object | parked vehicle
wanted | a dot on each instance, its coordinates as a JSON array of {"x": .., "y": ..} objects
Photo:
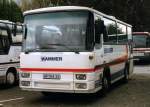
[
  {"x": 74, "y": 49},
  {"x": 141, "y": 45},
  {"x": 10, "y": 48}
]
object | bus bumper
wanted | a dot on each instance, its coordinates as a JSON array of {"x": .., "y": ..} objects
[
  {"x": 63, "y": 91},
  {"x": 91, "y": 88}
]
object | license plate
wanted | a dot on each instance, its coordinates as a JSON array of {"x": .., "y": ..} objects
[{"x": 52, "y": 76}]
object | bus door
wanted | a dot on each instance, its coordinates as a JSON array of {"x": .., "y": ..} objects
[
  {"x": 110, "y": 43},
  {"x": 99, "y": 49},
  {"x": 115, "y": 51}
]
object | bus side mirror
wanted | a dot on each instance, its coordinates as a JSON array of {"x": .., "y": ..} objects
[{"x": 99, "y": 29}]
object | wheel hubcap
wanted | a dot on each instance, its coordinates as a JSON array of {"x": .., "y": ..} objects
[{"x": 10, "y": 78}]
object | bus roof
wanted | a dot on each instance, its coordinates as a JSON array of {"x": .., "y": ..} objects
[
  {"x": 141, "y": 33},
  {"x": 6, "y": 22},
  {"x": 66, "y": 8},
  {"x": 10, "y": 24}
]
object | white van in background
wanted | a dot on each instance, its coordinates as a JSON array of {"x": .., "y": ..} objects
[{"x": 141, "y": 48}]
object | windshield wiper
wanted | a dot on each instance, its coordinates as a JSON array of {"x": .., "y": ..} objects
[
  {"x": 63, "y": 45},
  {"x": 40, "y": 49},
  {"x": 31, "y": 50},
  {"x": 36, "y": 50}
]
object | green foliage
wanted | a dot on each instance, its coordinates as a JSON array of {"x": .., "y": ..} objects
[
  {"x": 134, "y": 12},
  {"x": 9, "y": 10}
]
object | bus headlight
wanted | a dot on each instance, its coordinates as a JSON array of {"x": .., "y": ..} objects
[
  {"x": 25, "y": 83},
  {"x": 81, "y": 85},
  {"x": 81, "y": 76},
  {"x": 25, "y": 75}
]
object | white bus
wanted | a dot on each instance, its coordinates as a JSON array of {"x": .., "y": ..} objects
[
  {"x": 74, "y": 49},
  {"x": 10, "y": 48},
  {"x": 141, "y": 47}
]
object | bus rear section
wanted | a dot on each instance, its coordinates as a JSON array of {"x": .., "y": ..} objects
[{"x": 141, "y": 45}]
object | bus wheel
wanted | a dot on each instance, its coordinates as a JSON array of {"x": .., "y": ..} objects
[
  {"x": 10, "y": 78},
  {"x": 105, "y": 85},
  {"x": 126, "y": 74}
]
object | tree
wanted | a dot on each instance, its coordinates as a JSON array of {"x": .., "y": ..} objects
[
  {"x": 133, "y": 12},
  {"x": 9, "y": 10},
  {"x": 25, "y": 5}
]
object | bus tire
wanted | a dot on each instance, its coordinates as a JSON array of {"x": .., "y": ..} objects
[
  {"x": 10, "y": 78},
  {"x": 131, "y": 66},
  {"x": 105, "y": 85},
  {"x": 126, "y": 73}
]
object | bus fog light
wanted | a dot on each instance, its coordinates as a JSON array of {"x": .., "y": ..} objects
[
  {"x": 81, "y": 76},
  {"x": 81, "y": 85},
  {"x": 25, "y": 83},
  {"x": 25, "y": 75}
]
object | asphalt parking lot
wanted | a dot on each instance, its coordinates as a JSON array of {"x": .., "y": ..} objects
[{"x": 135, "y": 93}]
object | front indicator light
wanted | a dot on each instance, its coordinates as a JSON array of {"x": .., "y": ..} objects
[
  {"x": 81, "y": 85},
  {"x": 81, "y": 76}
]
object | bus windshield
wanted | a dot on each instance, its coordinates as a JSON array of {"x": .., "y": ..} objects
[
  {"x": 141, "y": 41},
  {"x": 56, "y": 31}
]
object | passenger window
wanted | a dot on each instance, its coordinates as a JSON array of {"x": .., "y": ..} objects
[
  {"x": 130, "y": 38},
  {"x": 122, "y": 33},
  {"x": 129, "y": 32},
  {"x": 110, "y": 31},
  {"x": 4, "y": 42}
]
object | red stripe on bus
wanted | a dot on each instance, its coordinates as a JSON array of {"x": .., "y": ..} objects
[
  {"x": 119, "y": 60},
  {"x": 56, "y": 70}
]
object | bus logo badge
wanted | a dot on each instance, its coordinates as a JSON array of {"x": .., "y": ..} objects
[{"x": 43, "y": 59}]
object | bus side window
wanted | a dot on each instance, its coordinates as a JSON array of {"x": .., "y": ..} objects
[
  {"x": 122, "y": 33},
  {"x": 129, "y": 33},
  {"x": 4, "y": 42},
  {"x": 1, "y": 45},
  {"x": 130, "y": 38},
  {"x": 110, "y": 31}
]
